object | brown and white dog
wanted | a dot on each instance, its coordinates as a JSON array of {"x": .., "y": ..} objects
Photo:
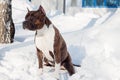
[{"x": 50, "y": 45}]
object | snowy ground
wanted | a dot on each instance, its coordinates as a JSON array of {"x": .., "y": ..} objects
[{"x": 93, "y": 42}]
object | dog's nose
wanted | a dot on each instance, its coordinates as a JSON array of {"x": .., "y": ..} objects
[{"x": 24, "y": 24}]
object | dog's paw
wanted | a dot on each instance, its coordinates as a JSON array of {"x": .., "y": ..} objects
[{"x": 40, "y": 71}]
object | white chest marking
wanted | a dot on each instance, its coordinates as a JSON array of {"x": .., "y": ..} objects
[{"x": 44, "y": 40}]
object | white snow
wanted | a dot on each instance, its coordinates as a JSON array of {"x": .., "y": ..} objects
[{"x": 93, "y": 42}]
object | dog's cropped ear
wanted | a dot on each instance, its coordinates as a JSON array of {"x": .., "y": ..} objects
[{"x": 42, "y": 10}]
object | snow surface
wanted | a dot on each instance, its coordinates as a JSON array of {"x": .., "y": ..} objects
[{"x": 93, "y": 42}]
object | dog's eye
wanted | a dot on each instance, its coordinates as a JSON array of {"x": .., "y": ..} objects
[
  {"x": 35, "y": 16},
  {"x": 32, "y": 14}
]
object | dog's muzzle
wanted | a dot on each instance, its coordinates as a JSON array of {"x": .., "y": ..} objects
[
  {"x": 29, "y": 25},
  {"x": 25, "y": 24}
]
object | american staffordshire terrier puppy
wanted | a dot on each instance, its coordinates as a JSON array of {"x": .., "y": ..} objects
[{"x": 50, "y": 45}]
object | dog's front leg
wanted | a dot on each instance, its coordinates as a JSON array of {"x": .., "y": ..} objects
[
  {"x": 57, "y": 70},
  {"x": 57, "y": 63},
  {"x": 40, "y": 60}
]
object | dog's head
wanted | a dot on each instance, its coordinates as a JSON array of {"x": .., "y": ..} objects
[{"x": 35, "y": 19}]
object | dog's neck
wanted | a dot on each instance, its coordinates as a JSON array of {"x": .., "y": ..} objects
[{"x": 44, "y": 30}]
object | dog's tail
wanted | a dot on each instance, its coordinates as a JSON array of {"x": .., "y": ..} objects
[{"x": 76, "y": 65}]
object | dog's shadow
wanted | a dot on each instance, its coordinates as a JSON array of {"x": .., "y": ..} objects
[{"x": 77, "y": 54}]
